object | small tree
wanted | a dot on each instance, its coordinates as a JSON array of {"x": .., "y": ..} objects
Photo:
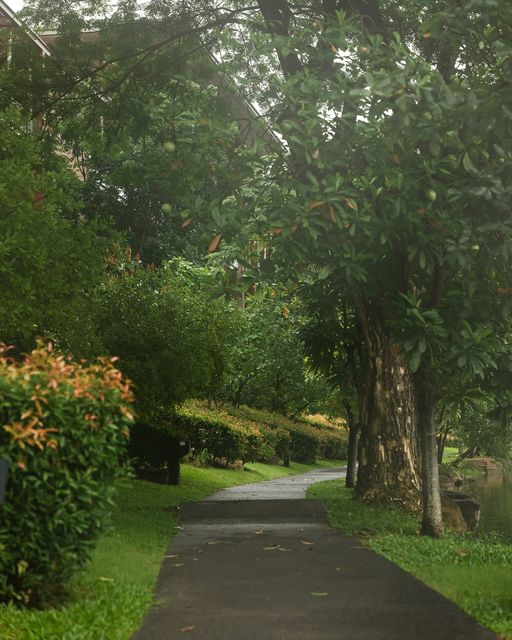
[{"x": 170, "y": 337}]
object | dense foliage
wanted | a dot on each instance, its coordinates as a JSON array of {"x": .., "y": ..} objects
[
  {"x": 64, "y": 432},
  {"x": 170, "y": 335},
  {"x": 48, "y": 255},
  {"x": 268, "y": 368}
]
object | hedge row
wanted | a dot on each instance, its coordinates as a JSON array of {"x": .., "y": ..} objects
[
  {"x": 64, "y": 432},
  {"x": 213, "y": 435},
  {"x": 229, "y": 434},
  {"x": 307, "y": 441}
]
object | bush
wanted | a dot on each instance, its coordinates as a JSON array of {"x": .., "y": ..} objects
[
  {"x": 333, "y": 438},
  {"x": 227, "y": 436},
  {"x": 306, "y": 441},
  {"x": 213, "y": 434},
  {"x": 64, "y": 432},
  {"x": 230, "y": 434},
  {"x": 171, "y": 336}
]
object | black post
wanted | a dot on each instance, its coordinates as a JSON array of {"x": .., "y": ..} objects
[{"x": 4, "y": 474}]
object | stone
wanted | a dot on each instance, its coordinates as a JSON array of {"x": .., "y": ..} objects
[
  {"x": 485, "y": 464},
  {"x": 452, "y": 516},
  {"x": 460, "y": 511},
  {"x": 449, "y": 477}
]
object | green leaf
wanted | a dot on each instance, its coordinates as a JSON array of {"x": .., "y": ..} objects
[
  {"x": 467, "y": 163},
  {"x": 415, "y": 361}
]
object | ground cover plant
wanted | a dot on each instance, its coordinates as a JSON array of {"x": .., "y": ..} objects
[
  {"x": 109, "y": 597},
  {"x": 475, "y": 572}
]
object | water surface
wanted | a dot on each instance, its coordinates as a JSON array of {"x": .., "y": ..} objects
[{"x": 494, "y": 493}]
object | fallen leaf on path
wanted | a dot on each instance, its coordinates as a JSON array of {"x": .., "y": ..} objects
[
  {"x": 275, "y": 547},
  {"x": 319, "y": 593},
  {"x": 186, "y": 629},
  {"x": 258, "y": 532},
  {"x": 214, "y": 541},
  {"x": 173, "y": 555},
  {"x": 178, "y": 564},
  {"x": 306, "y": 542}
]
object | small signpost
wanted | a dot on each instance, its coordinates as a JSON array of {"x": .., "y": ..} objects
[{"x": 4, "y": 472}]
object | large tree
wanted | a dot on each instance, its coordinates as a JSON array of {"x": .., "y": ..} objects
[{"x": 393, "y": 185}]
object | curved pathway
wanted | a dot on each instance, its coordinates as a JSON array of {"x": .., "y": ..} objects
[{"x": 259, "y": 562}]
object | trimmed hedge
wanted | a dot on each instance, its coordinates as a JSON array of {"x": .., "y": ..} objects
[
  {"x": 308, "y": 441},
  {"x": 214, "y": 434},
  {"x": 64, "y": 430},
  {"x": 333, "y": 437},
  {"x": 229, "y": 434}
]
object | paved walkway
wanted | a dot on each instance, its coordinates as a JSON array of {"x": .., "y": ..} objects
[{"x": 259, "y": 562}]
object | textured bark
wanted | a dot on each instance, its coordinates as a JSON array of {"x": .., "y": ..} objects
[
  {"x": 432, "y": 523},
  {"x": 389, "y": 448}
]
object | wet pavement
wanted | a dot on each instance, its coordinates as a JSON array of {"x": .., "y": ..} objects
[{"x": 259, "y": 562}]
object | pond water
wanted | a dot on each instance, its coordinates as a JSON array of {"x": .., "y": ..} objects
[{"x": 494, "y": 493}]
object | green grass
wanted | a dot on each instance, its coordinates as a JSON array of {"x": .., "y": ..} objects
[
  {"x": 474, "y": 572},
  {"x": 450, "y": 454},
  {"x": 109, "y": 598}
]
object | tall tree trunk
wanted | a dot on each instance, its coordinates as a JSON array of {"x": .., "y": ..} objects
[
  {"x": 351, "y": 477},
  {"x": 441, "y": 444},
  {"x": 432, "y": 524},
  {"x": 389, "y": 448}
]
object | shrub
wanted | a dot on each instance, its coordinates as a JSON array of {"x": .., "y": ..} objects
[
  {"x": 171, "y": 337},
  {"x": 303, "y": 442},
  {"x": 306, "y": 441},
  {"x": 64, "y": 432},
  {"x": 214, "y": 435},
  {"x": 229, "y": 434},
  {"x": 333, "y": 437},
  {"x": 225, "y": 435}
]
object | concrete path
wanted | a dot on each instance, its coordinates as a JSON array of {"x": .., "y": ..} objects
[{"x": 259, "y": 562}]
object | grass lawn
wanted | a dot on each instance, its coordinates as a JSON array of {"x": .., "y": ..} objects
[
  {"x": 108, "y": 599},
  {"x": 474, "y": 572},
  {"x": 450, "y": 454}
]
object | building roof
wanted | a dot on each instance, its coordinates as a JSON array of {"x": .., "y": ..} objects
[{"x": 11, "y": 28}]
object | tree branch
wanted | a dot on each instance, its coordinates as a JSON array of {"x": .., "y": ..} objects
[{"x": 277, "y": 16}]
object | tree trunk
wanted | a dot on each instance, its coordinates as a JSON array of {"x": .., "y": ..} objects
[
  {"x": 432, "y": 524},
  {"x": 351, "y": 477},
  {"x": 442, "y": 444},
  {"x": 389, "y": 448}
]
